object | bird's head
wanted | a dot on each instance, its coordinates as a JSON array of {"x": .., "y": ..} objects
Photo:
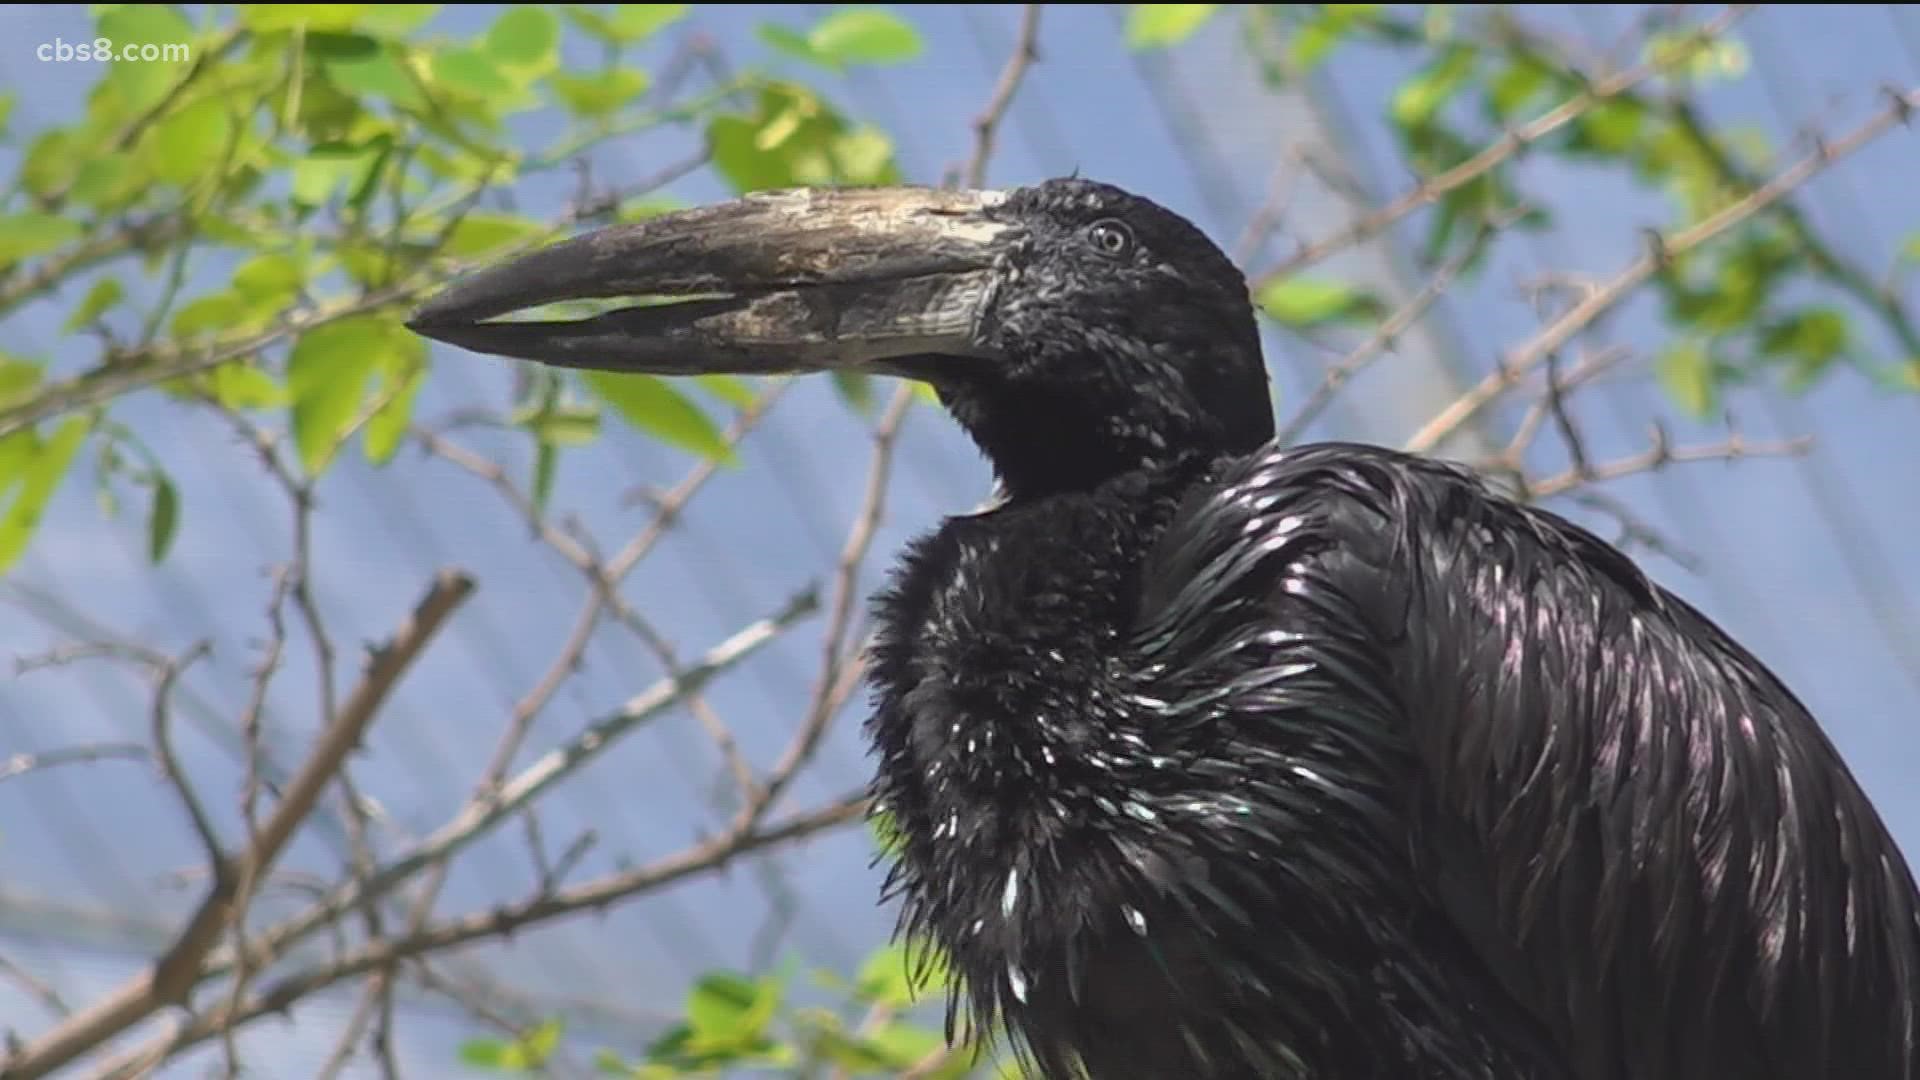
[{"x": 1077, "y": 331}]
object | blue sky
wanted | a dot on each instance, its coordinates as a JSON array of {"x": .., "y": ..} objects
[{"x": 1808, "y": 562}]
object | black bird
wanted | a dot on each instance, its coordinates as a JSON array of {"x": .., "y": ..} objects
[{"x": 1225, "y": 760}]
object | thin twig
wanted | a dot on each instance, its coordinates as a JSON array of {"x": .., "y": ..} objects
[
  {"x": 1500, "y": 151},
  {"x": 1026, "y": 49},
  {"x": 502, "y": 921},
  {"x": 1662, "y": 251},
  {"x": 1339, "y": 374},
  {"x": 21, "y": 764},
  {"x": 174, "y": 973},
  {"x": 477, "y": 818}
]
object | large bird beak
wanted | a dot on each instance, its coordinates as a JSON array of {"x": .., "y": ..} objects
[{"x": 780, "y": 282}]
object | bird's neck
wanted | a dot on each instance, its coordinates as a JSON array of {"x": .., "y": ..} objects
[{"x": 1046, "y": 441}]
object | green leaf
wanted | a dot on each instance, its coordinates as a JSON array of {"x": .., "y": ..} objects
[
  {"x": 326, "y": 169},
  {"x": 480, "y": 233},
  {"x": 396, "y": 20},
  {"x": 728, "y": 388},
  {"x": 791, "y": 42},
  {"x": 598, "y": 95},
  {"x": 186, "y": 144},
  {"x": 525, "y": 42},
  {"x": 651, "y": 404},
  {"x": 6, "y": 111},
  {"x": 865, "y": 36},
  {"x": 1688, "y": 375},
  {"x": 164, "y": 520},
  {"x": 886, "y": 978},
  {"x": 107, "y": 180},
  {"x": 718, "y": 1003},
  {"x": 856, "y": 389},
  {"x": 327, "y": 376},
  {"x": 470, "y": 72},
  {"x": 44, "y": 469},
  {"x": 1911, "y": 250},
  {"x": 1810, "y": 340},
  {"x": 1610, "y": 128},
  {"x": 51, "y": 161},
  {"x": 105, "y": 294},
  {"x": 387, "y": 427},
  {"x": 545, "y": 457},
  {"x": 636, "y": 22},
  {"x": 269, "y": 279},
  {"x": 525, "y": 1054},
  {"x": 360, "y": 65},
  {"x": 210, "y": 314},
  {"x": 1302, "y": 302},
  {"x": 1421, "y": 98},
  {"x": 22, "y": 236},
  {"x": 243, "y": 388},
  {"x": 1156, "y": 26},
  {"x": 18, "y": 379},
  {"x": 1515, "y": 87},
  {"x": 266, "y": 18},
  {"x": 142, "y": 83},
  {"x": 484, "y": 1053}
]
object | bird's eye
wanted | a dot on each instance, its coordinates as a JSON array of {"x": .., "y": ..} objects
[{"x": 1111, "y": 238}]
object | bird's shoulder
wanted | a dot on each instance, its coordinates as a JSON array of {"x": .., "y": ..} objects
[{"x": 1639, "y": 824}]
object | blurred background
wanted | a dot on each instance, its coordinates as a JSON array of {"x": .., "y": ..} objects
[{"x": 214, "y": 433}]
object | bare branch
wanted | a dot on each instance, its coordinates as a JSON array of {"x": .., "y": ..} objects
[
  {"x": 1504, "y": 149},
  {"x": 500, "y": 922},
  {"x": 1026, "y": 49},
  {"x": 21, "y": 764},
  {"x": 1662, "y": 454},
  {"x": 1339, "y": 374},
  {"x": 174, "y": 973},
  {"x": 1662, "y": 250}
]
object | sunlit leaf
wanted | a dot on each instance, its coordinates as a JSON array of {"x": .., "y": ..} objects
[
  {"x": 728, "y": 388},
  {"x": 1156, "y": 26},
  {"x": 265, "y": 18},
  {"x": 245, "y": 388},
  {"x": 327, "y": 169},
  {"x": 46, "y": 465},
  {"x": 1687, "y": 373},
  {"x": 865, "y": 36},
  {"x": 470, "y": 72},
  {"x": 632, "y": 23},
  {"x": 269, "y": 279},
  {"x": 18, "y": 379},
  {"x": 140, "y": 81},
  {"x": 358, "y": 64},
  {"x": 525, "y": 41},
  {"x": 1421, "y": 98},
  {"x": 653, "y": 405},
  {"x": 210, "y": 314},
  {"x": 480, "y": 233},
  {"x": 22, "y": 236},
  {"x": 327, "y": 376},
  {"x": 387, "y": 427},
  {"x": 108, "y": 180},
  {"x": 1808, "y": 340},
  {"x": 602, "y": 93},
  {"x": 396, "y": 20},
  {"x": 1303, "y": 302},
  {"x": 187, "y": 143},
  {"x": 104, "y": 294}
]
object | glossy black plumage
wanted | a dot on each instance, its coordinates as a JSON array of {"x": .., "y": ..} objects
[{"x": 1219, "y": 760}]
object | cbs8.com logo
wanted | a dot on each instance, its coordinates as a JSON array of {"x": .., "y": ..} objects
[{"x": 102, "y": 50}]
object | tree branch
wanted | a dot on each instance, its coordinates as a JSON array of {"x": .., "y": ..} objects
[
  {"x": 173, "y": 975},
  {"x": 1662, "y": 251}
]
